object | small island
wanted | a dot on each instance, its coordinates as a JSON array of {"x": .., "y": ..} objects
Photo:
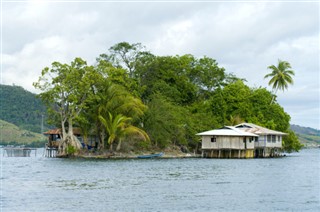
[{"x": 132, "y": 102}]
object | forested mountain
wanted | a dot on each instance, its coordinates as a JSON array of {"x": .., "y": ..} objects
[{"x": 22, "y": 108}]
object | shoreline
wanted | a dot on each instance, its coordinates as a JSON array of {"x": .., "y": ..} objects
[{"x": 166, "y": 155}]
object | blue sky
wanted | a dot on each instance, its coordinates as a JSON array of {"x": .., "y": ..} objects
[{"x": 245, "y": 37}]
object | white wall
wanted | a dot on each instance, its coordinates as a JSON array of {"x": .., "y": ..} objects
[{"x": 226, "y": 142}]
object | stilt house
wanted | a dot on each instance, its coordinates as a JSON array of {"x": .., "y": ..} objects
[
  {"x": 244, "y": 140},
  {"x": 54, "y": 139},
  {"x": 269, "y": 142},
  {"x": 227, "y": 142}
]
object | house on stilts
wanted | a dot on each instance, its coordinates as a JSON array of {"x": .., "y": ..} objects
[
  {"x": 269, "y": 142},
  {"x": 244, "y": 140},
  {"x": 54, "y": 139},
  {"x": 227, "y": 142}
]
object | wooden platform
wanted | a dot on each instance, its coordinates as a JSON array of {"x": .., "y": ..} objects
[
  {"x": 18, "y": 151},
  {"x": 50, "y": 152}
]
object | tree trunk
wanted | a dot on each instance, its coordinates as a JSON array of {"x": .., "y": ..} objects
[
  {"x": 73, "y": 139},
  {"x": 69, "y": 145},
  {"x": 101, "y": 139},
  {"x": 63, "y": 129},
  {"x": 273, "y": 96},
  {"x": 111, "y": 147},
  {"x": 101, "y": 134},
  {"x": 119, "y": 145}
]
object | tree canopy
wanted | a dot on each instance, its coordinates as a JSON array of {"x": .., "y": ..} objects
[{"x": 165, "y": 98}]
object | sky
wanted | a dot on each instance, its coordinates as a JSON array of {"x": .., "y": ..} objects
[{"x": 245, "y": 37}]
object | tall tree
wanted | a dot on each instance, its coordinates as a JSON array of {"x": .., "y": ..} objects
[
  {"x": 64, "y": 89},
  {"x": 124, "y": 55},
  {"x": 281, "y": 76}
]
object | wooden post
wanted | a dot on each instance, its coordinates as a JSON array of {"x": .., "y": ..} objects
[
  {"x": 239, "y": 153},
  {"x": 219, "y": 153}
]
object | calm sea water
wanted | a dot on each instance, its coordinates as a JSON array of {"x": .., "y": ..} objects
[{"x": 44, "y": 184}]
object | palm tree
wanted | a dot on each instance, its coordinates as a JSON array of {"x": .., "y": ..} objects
[
  {"x": 119, "y": 127},
  {"x": 281, "y": 76}
]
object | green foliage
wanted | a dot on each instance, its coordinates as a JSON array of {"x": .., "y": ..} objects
[
  {"x": 131, "y": 91},
  {"x": 142, "y": 145},
  {"x": 118, "y": 127},
  {"x": 64, "y": 89},
  {"x": 160, "y": 121},
  {"x": 281, "y": 75},
  {"x": 170, "y": 124},
  {"x": 124, "y": 55},
  {"x": 22, "y": 108},
  {"x": 71, "y": 150},
  {"x": 291, "y": 142},
  {"x": 235, "y": 96}
]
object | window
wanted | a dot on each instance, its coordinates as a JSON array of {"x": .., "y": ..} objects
[
  {"x": 256, "y": 139},
  {"x": 274, "y": 139},
  {"x": 269, "y": 138},
  {"x": 279, "y": 138},
  {"x": 244, "y": 139},
  {"x": 213, "y": 139}
]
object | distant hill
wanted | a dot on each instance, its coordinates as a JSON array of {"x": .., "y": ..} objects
[
  {"x": 13, "y": 135},
  {"x": 308, "y": 136},
  {"x": 304, "y": 130},
  {"x": 21, "y": 108}
]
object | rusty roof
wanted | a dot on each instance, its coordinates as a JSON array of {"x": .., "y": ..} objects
[
  {"x": 256, "y": 129},
  {"x": 57, "y": 131}
]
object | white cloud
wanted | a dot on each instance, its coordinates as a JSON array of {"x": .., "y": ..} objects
[
  {"x": 174, "y": 38},
  {"x": 245, "y": 38}
]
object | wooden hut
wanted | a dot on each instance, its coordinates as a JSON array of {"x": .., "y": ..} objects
[
  {"x": 227, "y": 142},
  {"x": 269, "y": 142},
  {"x": 54, "y": 138}
]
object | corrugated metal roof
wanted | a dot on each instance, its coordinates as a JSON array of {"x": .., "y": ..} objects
[
  {"x": 227, "y": 131},
  {"x": 53, "y": 132},
  {"x": 253, "y": 128}
]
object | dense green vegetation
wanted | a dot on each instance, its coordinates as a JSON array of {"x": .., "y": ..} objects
[
  {"x": 21, "y": 108},
  {"x": 171, "y": 98}
]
